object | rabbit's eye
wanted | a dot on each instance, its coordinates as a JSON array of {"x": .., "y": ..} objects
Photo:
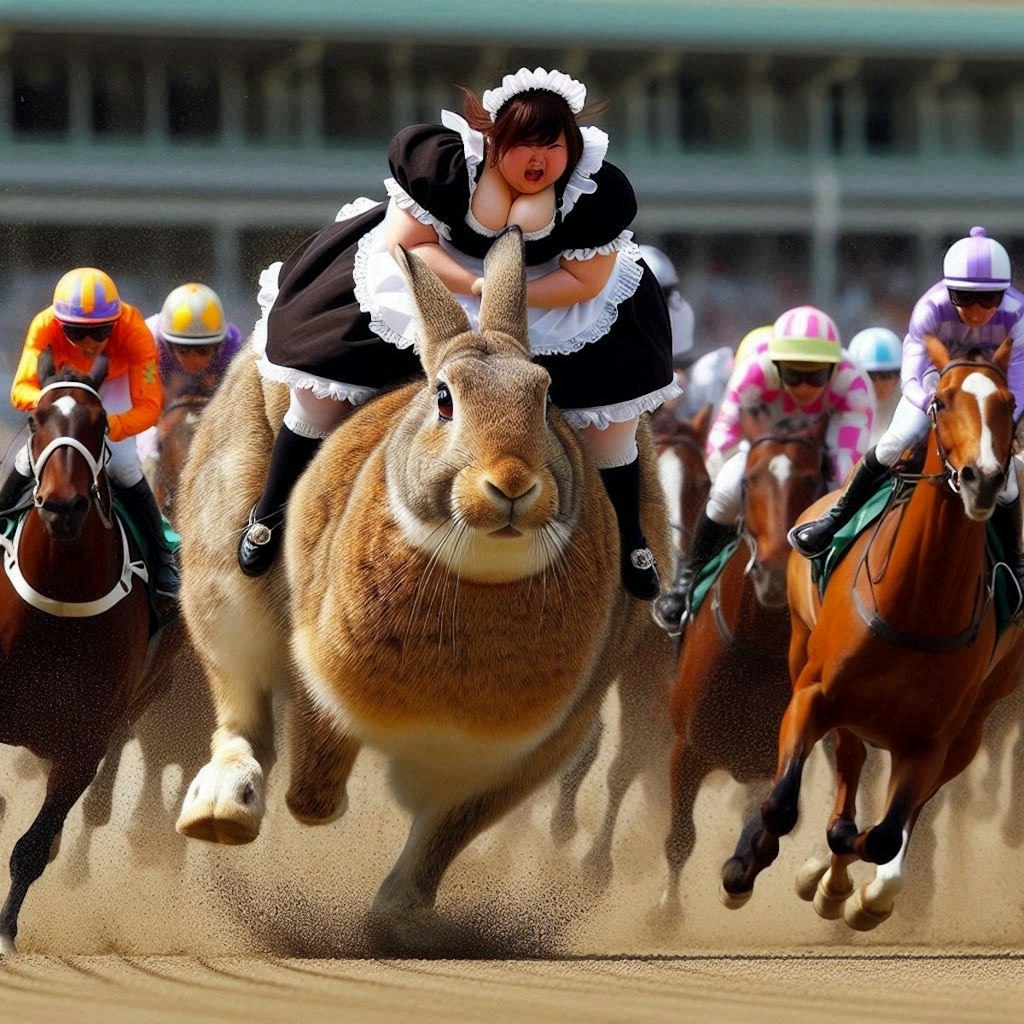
[{"x": 445, "y": 406}]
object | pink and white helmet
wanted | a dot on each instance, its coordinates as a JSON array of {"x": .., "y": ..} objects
[
  {"x": 804, "y": 335},
  {"x": 976, "y": 264}
]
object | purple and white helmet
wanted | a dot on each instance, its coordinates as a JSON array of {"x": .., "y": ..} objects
[{"x": 976, "y": 264}]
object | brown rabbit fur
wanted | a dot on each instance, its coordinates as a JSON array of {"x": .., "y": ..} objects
[{"x": 477, "y": 662}]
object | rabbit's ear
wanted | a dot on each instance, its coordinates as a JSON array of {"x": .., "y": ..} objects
[
  {"x": 503, "y": 306},
  {"x": 441, "y": 316}
]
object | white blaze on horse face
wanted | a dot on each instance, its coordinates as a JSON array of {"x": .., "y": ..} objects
[
  {"x": 781, "y": 467},
  {"x": 66, "y": 405},
  {"x": 981, "y": 387},
  {"x": 670, "y": 473}
]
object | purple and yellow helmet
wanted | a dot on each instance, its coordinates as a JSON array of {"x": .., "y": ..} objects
[{"x": 86, "y": 295}]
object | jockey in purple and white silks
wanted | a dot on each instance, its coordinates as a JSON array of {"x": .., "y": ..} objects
[
  {"x": 973, "y": 307},
  {"x": 797, "y": 374}
]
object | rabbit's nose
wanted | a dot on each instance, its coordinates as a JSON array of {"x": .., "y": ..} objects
[{"x": 508, "y": 492}]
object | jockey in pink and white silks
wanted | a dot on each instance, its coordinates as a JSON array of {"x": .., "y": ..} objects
[
  {"x": 798, "y": 374},
  {"x": 973, "y": 307}
]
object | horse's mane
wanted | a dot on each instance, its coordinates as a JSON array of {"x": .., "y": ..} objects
[{"x": 68, "y": 375}]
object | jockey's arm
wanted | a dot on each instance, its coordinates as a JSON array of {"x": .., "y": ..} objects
[
  {"x": 402, "y": 228},
  {"x": 143, "y": 382},
  {"x": 574, "y": 281},
  {"x": 25, "y": 389}
]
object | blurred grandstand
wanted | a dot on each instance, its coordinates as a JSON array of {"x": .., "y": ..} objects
[{"x": 782, "y": 151}]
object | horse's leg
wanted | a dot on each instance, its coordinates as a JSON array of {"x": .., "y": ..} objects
[
  {"x": 68, "y": 779},
  {"x": 225, "y": 802},
  {"x": 832, "y": 885},
  {"x": 686, "y": 774},
  {"x": 802, "y": 726},
  {"x": 873, "y": 903},
  {"x": 563, "y": 816},
  {"x": 322, "y": 757}
]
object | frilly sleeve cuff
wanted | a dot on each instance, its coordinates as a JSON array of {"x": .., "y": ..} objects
[
  {"x": 615, "y": 245},
  {"x": 406, "y": 202}
]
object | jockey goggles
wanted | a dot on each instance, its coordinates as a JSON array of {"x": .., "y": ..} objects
[
  {"x": 792, "y": 377},
  {"x": 79, "y": 332},
  {"x": 987, "y": 300}
]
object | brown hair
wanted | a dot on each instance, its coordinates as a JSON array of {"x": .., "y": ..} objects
[{"x": 534, "y": 116}]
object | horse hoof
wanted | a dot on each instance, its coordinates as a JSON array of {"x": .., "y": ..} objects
[
  {"x": 861, "y": 918},
  {"x": 7, "y": 947},
  {"x": 733, "y": 901},
  {"x": 828, "y": 904},
  {"x": 224, "y": 804},
  {"x": 808, "y": 876}
]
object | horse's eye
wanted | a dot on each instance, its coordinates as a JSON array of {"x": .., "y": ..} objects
[
  {"x": 445, "y": 406},
  {"x": 32, "y": 424}
]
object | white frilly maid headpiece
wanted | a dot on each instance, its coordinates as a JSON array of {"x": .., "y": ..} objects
[{"x": 524, "y": 80}]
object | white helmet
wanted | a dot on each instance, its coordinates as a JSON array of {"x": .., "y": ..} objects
[
  {"x": 193, "y": 315},
  {"x": 877, "y": 349},
  {"x": 976, "y": 264},
  {"x": 661, "y": 267}
]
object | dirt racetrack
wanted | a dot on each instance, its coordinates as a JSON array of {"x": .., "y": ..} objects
[{"x": 131, "y": 917}]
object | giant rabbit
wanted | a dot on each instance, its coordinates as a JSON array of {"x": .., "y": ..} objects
[{"x": 449, "y": 590}]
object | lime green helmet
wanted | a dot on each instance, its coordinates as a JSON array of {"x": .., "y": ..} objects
[
  {"x": 751, "y": 340},
  {"x": 804, "y": 335},
  {"x": 193, "y": 315}
]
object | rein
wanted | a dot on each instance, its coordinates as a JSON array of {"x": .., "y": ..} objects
[{"x": 185, "y": 402}]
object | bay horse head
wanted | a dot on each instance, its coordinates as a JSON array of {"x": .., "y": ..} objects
[
  {"x": 67, "y": 447},
  {"x": 682, "y": 470},
  {"x": 972, "y": 413},
  {"x": 786, "y": 471}
]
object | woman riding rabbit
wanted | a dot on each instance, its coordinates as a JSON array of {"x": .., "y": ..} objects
[{"x": 340, "y": 324}]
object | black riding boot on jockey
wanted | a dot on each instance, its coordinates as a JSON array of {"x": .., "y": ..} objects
[
  {"x": 709, "y": 538},
  {"x": 140, "y": 503},
  {"x": 1008, "y": 522},
  {"x": 639, "y": 573},
  {"x": 11, "y": 489},
  {"x": 814, "y": 538},
  {"x": 261, "y": 538}
]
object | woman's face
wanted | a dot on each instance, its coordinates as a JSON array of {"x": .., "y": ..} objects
[{"x": 531, "y": 168}]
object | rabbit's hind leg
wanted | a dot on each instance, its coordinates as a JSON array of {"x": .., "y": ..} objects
[{"x": 322, "y": 757}]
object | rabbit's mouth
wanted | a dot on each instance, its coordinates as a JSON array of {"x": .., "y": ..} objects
[{"x": 506, "y": 531}]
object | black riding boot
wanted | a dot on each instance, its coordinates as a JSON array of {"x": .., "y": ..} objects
[
  {"x": 141, "y": 505},
  {"x": 1008, "y": 523},
  {"x": 708, "y": 539},
  {"x": 815, "y": 538},
  {"x": 11, "y": 488},
  {"x": 639, "y": 573},
  {"x": 262, "y": 536}
]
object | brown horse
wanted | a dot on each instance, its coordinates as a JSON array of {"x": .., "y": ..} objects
[
  {"x": 174, "y": 432},
  {"x": 74, "y": 623},
  {"x": 733, "y": 653},
  {"x": 643, "y": 710},
  {"x": 901, "y": 653}
]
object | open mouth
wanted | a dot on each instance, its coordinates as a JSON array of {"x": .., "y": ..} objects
[{"x": 533, "y": 176}]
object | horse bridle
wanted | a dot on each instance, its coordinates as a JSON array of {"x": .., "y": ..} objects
[
  {"x": 96, "y": 465},
  {"x": 951, "y": 474}
]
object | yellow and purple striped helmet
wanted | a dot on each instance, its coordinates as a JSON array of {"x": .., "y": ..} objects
[
  {"x": 193, "y": 315},
  {"x": 86, "y": 295}
]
